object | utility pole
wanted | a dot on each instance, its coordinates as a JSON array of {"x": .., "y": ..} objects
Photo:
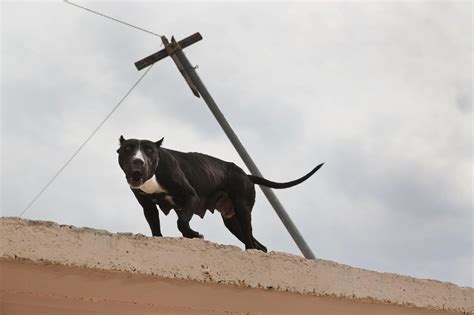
[{"x": 175, "y": 51}]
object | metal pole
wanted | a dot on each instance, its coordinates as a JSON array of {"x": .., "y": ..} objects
[{"x": 284, "y": 217}]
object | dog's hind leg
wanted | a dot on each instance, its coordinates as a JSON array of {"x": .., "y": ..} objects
[
  {"x": 233, "y": 225},
  {"x": 242, "y": 212},
  {"x": 259, "y": 245}
]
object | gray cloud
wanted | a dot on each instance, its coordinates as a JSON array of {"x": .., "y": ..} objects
[
  {"x": 464, "y": 103},
  {"x": 381, "y": 92}
]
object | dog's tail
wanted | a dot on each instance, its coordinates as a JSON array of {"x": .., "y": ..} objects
[{"x": 265, "y": 182}]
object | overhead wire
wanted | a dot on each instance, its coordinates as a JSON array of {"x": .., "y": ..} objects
[
  {"x": 61, "y": 169},
  {"x": 83, "y": 144},
  {"x": 112, "y": 18}
]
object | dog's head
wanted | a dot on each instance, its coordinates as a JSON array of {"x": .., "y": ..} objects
[{"x": 138, "y": 159}]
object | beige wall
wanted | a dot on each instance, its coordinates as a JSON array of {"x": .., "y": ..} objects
[{"x": 208, "y": 262}]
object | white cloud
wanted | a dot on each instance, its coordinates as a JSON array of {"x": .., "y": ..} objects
[{"x": 381, "y": 92}]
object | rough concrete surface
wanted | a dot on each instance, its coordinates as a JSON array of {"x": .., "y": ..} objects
[{"x": 195, "y": 259}]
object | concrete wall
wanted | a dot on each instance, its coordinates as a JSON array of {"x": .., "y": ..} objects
[{"x": 209, "y": 262}]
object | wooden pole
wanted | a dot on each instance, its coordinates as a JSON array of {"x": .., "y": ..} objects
[{"x": 195, "y": 83}]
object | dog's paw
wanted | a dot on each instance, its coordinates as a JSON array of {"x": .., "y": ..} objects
[{"x": 199, "y": 235}]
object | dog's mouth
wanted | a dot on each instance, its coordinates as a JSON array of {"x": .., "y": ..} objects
[{"x": 135, "y": 179}]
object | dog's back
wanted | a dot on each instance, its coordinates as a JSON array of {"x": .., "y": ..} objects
[{"x": 204, "y": 172}]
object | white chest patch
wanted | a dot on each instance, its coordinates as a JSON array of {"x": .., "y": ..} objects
[{"x": 152, "y": 186}]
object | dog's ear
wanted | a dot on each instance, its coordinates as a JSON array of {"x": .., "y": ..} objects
[
  {"x": 159, "y": 142},
  {"x": 121, "y": 141}
]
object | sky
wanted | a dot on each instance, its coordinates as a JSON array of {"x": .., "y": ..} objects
[{"x": 379, "y": 91}]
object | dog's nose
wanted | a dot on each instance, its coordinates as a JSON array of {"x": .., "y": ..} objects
[{"x": 138, "y": 162}]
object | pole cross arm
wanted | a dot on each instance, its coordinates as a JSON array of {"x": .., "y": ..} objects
[
  {"x": 170, "y": 50},
  {"x": 148, "y": 61}
]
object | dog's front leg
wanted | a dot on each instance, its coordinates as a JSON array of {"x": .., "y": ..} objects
[
  {"x": 187, "y": 201},
  {"x": 151, "y": 213},
  {"x": 185, "y": 215},
  {"x": 153, "y": 218}
]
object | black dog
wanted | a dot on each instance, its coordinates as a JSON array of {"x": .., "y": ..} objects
[{"x": 191, "y": 183}]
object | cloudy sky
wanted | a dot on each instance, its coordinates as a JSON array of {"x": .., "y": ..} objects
[{"x": 380, "y": 92}]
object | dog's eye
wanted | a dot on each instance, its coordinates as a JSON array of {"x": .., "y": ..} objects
[
  {"x": 128, "y": 148},
  {"x": 149, "y": 150}
]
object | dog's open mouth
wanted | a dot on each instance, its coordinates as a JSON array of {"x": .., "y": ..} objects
[{"x": 135, "y": 179}]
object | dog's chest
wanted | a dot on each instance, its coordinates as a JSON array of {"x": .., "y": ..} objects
[{"x": 152, "y": 186}]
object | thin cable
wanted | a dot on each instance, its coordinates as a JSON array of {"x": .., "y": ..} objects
[
  {"x": 84, "y": 143},
  {"x": 113, "y": 19}
]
